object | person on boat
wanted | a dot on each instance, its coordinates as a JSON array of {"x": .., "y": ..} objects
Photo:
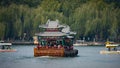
[
  {"x": 3, "y": 47},
  {"x": 59, "y": 46},
  {"x": 8, "y": 47},
  {"x": 38, "y": 46},
  {"x": 54, "y": 44},
  {"x": 67, "y": 43},
  {"x": 48, "y": 43}
]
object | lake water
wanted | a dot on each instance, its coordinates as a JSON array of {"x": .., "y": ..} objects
[{"x": 88, "y": 57}]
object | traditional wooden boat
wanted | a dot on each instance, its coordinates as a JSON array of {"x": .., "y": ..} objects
[
  {"x": 6, "y": 47},
  {"x": 54, "y": 40}
]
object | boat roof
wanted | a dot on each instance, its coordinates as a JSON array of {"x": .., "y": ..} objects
[
  {"x": 1, "y": 41},
  {"x": 65, "y": 31},
  {"x": 52, "y": 24},
  {"x": 51, "y": 34},
  {"x": 5, "y": 44}
]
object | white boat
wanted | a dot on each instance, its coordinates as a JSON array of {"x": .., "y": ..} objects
[
  {"x": 80, "y": 43},
  {"x": 6, "y": 47}
]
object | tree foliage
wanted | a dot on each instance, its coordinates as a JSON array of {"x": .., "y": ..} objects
[{"x": 97, "y": 19}]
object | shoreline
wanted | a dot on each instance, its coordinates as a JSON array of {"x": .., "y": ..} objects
[
  {"x": 32, "y": 43},
  {"x": 23, "y": 43}
]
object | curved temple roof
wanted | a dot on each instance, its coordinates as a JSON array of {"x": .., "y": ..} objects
[
  {"x": 52, "y": 24},
  {"x": 55, "y": 24},
  {"x": 51, "y": 34}
]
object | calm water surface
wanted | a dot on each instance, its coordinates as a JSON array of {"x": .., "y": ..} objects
[{"x": 88, "y": 57}]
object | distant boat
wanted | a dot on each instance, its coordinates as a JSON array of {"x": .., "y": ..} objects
[
  {"x": 112, "y": 48},
  {"x": 80, "y": 43},
  {"x": 6, "y": 47},
  {"x": 111, "y": 44}
]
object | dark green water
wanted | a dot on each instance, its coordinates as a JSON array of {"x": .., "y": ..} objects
[{"x": 88, "y": 57}]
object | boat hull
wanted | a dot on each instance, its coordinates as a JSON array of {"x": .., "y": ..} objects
[
  {"x": 70, "y": 53},
  {"x": 109, "y": 52},
  {"x": 54, "y": 52},
  {"x": 8, "y": 50},
  {"x": 48, "y": 52}
]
